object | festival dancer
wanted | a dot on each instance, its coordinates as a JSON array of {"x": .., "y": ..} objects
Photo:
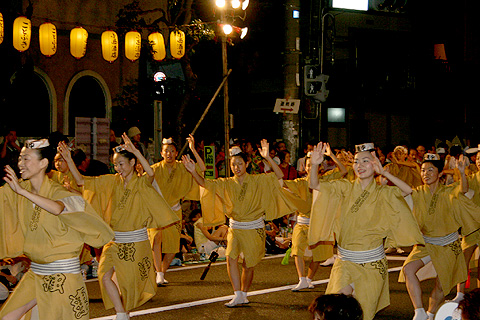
[
  {"x": 175, "y": 184},
  {"x": 130, "y": 205},
  {"x": 440, "y": 212},
  {"x": 247, "y": 200},
  {"x": 359, "y": 215},
  {"x": 299, "y": 192},
  {"x": 471, "y": 241},
  {"x": 47, "y": 223}
]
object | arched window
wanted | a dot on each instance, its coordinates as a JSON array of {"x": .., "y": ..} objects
[
  {"x": 29, "y": 103},
  {"x": 87, "y": 96}
]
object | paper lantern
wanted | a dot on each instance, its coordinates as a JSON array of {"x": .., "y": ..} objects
[
  {"x": 177, "y": 44},
  {"x": 1, "y": 28},
  {"x": 22, "y": 33},
  {"x": 133, "y": 44},
  {"x": 78, "y": 42},
  {"x": 158, "y": 46},
  {"x": 110, "y": 46},
  {"x": 48, "y": 39}
]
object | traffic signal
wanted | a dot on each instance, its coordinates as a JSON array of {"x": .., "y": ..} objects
[{"x": 315, "y": 83}]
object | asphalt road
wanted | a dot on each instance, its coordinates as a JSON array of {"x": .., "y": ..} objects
[{"x": 188, "y": 297}]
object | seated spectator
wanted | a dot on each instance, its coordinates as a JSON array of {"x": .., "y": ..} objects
[
  {"x": 11, "y": 271},
  {"x": 470, "y": 305},
  {"x": 206, "y": 241},
  {"x": 336, "y": 307},
  {"x": 274, "y": 243}
]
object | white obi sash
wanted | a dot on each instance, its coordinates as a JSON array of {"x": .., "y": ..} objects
[
  {"x": 248, "y": 225},
  {"x": 361, "y": 256},
  {"x": 131, "y": 236},
  {"x": 71, "y": 265},
  {"x": 442, "y": 241},
  {"x": 303, "y": 220}
]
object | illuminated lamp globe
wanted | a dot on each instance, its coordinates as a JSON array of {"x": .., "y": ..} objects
[
  {"x": 220, "y": 3},
  {"x": 78, "y": 42},
  {"x": 2, "y": 26},
  {"x": 157, "y": 44},
  {"x": 245, "y": 5},
  {"x": 177, "y": 44},
  {"x": 48, "y": 39},
  {"x": 133, "y": 45},
  {"x": 236, "y": 4},
  {"x": 22, "y": 33},
  {"x": 227, "y": 29},
  {"x": 243, "y": 32},
  {"x": 109, "y": 46}
]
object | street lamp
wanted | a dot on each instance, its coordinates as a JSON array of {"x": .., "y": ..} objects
[{"x": 228, "y": 29}]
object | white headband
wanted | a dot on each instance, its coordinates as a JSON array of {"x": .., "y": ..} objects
[
  {"x": 364, "y": 147},
  {"x": 36, "y": 144},
  {"x": 431, "y": 156},
  {"x": 402, "y": 148},
  {"x": 234, "y": 151},
  {"x": 167, "y": 141}
]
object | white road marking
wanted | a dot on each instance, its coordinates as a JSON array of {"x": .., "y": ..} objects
[{"x": 226, "y": 298}]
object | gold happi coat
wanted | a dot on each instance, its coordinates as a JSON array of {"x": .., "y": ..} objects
[
  {"x": 439, "y": 214},
  {"x": 135, "y": 206},
  {"x": 300, "y": 194},
  {"x": 409, "y": 175},
  {"x": 43, "y": 237},
  {"x": 175, "y": 184},
  {"x": 360, "y": 220},
  {"x": 260, "y": 195}
]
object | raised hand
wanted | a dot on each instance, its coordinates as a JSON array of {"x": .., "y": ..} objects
[
  {"x": 12, "y": 180},
  {"x": 191, "y": 142},
  {"x": 265, "y": 150},
  {"x": 127, "y": 144},
  {"x": 461, "y": 164},
  {"x": 377, "y": 165},
  {"x": 188, "y": 163},
  {"x": 64, "y": 150},
  {"x": 328, "y": 150},
  {"x": 318, "y": 153}
]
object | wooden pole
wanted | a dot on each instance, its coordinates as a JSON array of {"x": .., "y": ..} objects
[{"x": 206, "y": 110}]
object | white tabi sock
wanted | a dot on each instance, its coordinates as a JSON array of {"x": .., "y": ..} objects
[
  {"x": 238, "y": 299},
  {"x": 245, "y": 300},
  {"x": 310, "y": 285},
  {"x": 420, "y": 314},
  {"x": 459, "y": 297},
  {"x": 430, "y": 315},
  {"x": 302, "y": 284}
]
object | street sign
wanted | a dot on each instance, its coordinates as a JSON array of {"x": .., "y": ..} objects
[
  {"x": 209, "y": 158},
  {"x": 287, "y": 105}
]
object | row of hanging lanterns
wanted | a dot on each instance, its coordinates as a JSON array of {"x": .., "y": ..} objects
[{"x": 22, "y": 33}]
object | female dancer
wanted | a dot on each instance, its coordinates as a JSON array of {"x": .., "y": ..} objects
[
  {"x": 247, "y": 200},
  {"x": 129, "y": 204},
  {"x": 359, "y": 215},
  {"x": 300, "y": 194},
  {"x": 49, "y": 224},
  {"x": 440, "y": 212}
]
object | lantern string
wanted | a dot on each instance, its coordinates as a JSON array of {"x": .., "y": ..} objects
[{"x": 150, "y": 28}]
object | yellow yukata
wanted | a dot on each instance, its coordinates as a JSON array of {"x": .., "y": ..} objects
[
  {"x": 129, "y": 208},
  {"x": 300, "y": 194},
  {"x": 409, "y": 175},
  {"x": 474, "y": 237},
  {"x": 360, "y": 220},
  {"x": 45, "y": 238},
  {"x": 260, "y": 195},
  {"x": 67, "y": 178},
  {"x": 175, "y": 185},
  {"x": 438, "y": 215}
]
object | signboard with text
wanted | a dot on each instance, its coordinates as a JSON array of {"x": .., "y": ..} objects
[
  {"x": 287, "y": 105},
  {"x": 209, "y": 158}
]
